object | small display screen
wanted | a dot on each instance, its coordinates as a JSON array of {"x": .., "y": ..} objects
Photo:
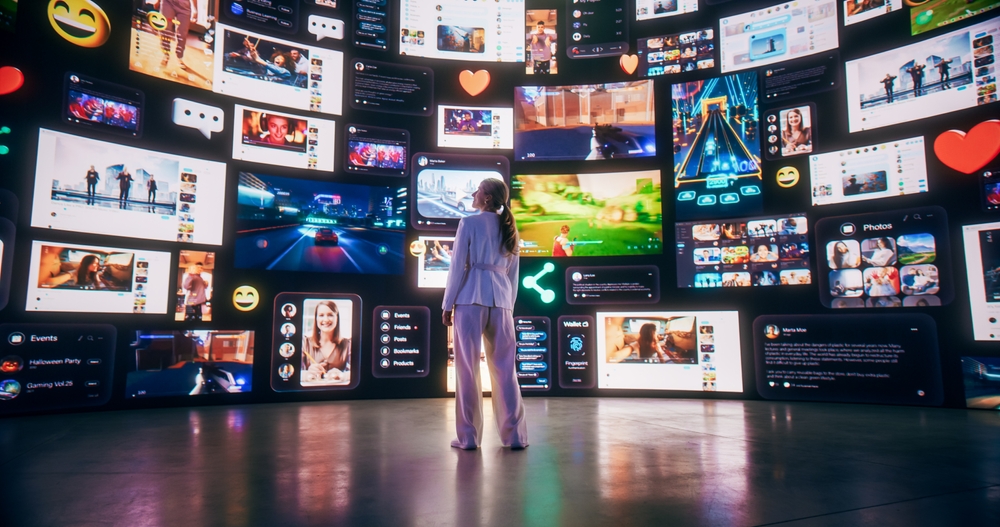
[{"x": 103, "y": 105}]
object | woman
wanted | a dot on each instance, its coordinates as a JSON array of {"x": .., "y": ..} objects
[
  {"x": 763, "y": 254},
  {"x": 481, "y": 289},
  {"x": 842, "y": 257},
  {"x": 276, "y": 70},
  {"x": 883, "y": 254},
  {"x": 649, "y": 344},
  {"x": 795, "y": 138},
  {"x": 86, "y": 274},
  {"x": 326, "y": 357}
]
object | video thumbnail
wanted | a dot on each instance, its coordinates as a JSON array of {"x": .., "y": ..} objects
[
  {"x": 317, "y": 342},
  {"x": 444, "y": 184},
  {"x": 717, "y": 171},
  {"x": 885, "y": 259},
  {"x": 84, "y": 185},
  {"x": 677, "y": 53},
  {"x": 541, "y": 42},
  {"x": 744, "y": 252},
  {"x": 180, "y": 52},
  {"x": 923, "y": 79},
  {"x": 460, "y": 30},
  {"x": 651, "y": 9},
  {"x": 603, "y": 214},
  {"x": 190, "y": 362},
  {"x": 585, "y": 122},
  {"x": 663, "y": 351},
  {"x": 103, "y": 106},
  {"x": 982, "y": 382},
  {"x": 869, "y": 172},
  {"x": 777, "y": 34},
  {"x": 377, "y": 151},
  {"x": 475, "y": 127},
  {"x": 88, "y": 279},
  {"x": 982, "y": 266},
  {"x": 195, "y": 272},
  {"x": 860, "y": 10},
  {"x": 286, "y": 224},
  {"x": 790, "y": 131},
  {"x": 282, "y": 139},
  {"x": 928, "y": 16}
]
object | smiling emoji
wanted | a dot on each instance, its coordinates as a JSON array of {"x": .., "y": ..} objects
[
  {"x": 787, "y": 177},
  {"x": 81, "y": 22},
  {"x": 246, "y": 298},
  {"x": 157, "y": 20}
]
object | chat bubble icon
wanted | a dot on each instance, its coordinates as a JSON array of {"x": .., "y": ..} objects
[
  {"x": 325, "y": 27},
  {"x": 202, "y": 117}
]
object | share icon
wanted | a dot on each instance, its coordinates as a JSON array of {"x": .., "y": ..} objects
[{"x": 531, "y": 282}]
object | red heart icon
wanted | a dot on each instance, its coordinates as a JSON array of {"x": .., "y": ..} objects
[
  {"x": 969, "y": 152},
  {"x": 11, "y": 80}
]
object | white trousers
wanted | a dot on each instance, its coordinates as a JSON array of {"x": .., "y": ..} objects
[{"x": 495, "y": 326}]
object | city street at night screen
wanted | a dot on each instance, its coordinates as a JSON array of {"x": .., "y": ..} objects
[{"x": 288, "y": 224}]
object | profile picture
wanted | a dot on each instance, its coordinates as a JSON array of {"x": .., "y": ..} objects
[
  {"x": 422, "y": 161},
  {"x": 286, "y": 350},
  {"x": 771, "y": 331},
  {"x": 288, "y": 310},
  {"x": 288, "y": 330},
  {"x": 11, "y": 364},
  {"x": 285, "y": 371},
  {"x": 577, "y": 276},
  {"x": 359, "y": 66},
  {"x": 576, "y": 13},
  {"x": 9, "y": 389}
]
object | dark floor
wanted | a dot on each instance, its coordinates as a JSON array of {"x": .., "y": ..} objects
[{"x": 616, "y": 462}]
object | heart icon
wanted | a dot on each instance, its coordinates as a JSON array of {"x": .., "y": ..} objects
[
  {"x": 11, "y": 80},
  {"x": 629, "y": 63},
  {"x": 969, "y": 152},
  {"x": 474, "y": 83}
]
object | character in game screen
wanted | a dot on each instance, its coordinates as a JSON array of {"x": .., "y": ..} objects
[
  {"x": 889, "y": 82},
  {"x": 179, "y": 14},
  {"x": 196, "y": 292},
  {"x": 481, "y": 290},
  {"x": 917, "y": 75},
  {"x": 561, "y": 244},
  {"x": 124, "y": 186},
  {"x": 325, "y": 354},
  {"x": 92, "y": 178}
]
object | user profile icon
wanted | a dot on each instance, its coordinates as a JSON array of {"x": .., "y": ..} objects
[
  {"x": 286, "y": 350},
  {"x": 422, "y": 161},
  {"x": 11, "y": 364},
  {"x": 9, "y": 389},
  {"x": 359, "y": 66},
  {"x": 285, "y": 371},
  {"x": 288, "y": 330},
  {"x": 577, "y": 276},
  {"x": 576, "y": 13},
  {"x": 352, "y": 129},
  {"x": 771, "y": 331},
  {"x": 74, "y": 79},
  {"x": 288, "y": 310}
]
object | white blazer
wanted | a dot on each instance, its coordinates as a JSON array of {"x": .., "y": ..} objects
[{"x": 481, "y": 271}]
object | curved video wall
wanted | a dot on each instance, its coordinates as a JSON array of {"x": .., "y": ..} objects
[{"x": 231, "y": 201}]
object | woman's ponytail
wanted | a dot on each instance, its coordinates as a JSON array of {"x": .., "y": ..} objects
[{"x": 508, "y": 229}]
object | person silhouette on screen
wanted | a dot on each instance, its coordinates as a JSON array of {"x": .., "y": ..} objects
[
  {"x": 889, "y": 83},
  {"x": 124, "y": 186},
  {"x": 151, "y": 189},
  {"x": 944, "y": 71},
  {"x": 917, "y": 75},
  {"x": 92, "y": 178}
]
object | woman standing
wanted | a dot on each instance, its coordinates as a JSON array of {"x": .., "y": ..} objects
[{"x": 481, "y": 289}]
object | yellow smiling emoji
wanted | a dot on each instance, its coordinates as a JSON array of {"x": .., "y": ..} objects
[
  {"x": 787, "y": 177},
  {"x": 246, "y": 298},
  {"x": 81, "y": 22},
  {"x": 157, "y": 20}
]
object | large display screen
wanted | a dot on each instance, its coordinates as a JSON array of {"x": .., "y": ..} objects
[
  {"x": 895, "y": 258},
  {"x": 277, "y": 138},
  {"x": 889, "y": 359},
  {"x": 444, "y": 183},
  {"x": 190, "y": 362},
  {"x": 66, "y": 277},
  {"x": 778, "y": 33},
  {"x": 603, "y": 214},
  {"x": 286, "y": 224},
  {"x": 460, "y": 30},
  {"x": 584, "y": 122},
  {"x": 982, "y": 382},
  {"x": 982, "y": 266},
  {"x": 936, "y": 76},
  {"x": 90, "y": 186},
  {"x": 717, "y": 170},
  {"x": 317, "y": 342},
  {"x": 232, "y": 61},
  {"x": 661, "y": 350},
  {"x": 884, "y": 170},
  {"x": 744, "y": 252},
  {"x": 928, "y": 16}
]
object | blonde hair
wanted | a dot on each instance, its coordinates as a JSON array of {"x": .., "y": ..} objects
[{"x": 499, "y": 195}]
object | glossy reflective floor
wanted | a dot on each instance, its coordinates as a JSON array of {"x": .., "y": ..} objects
[{"x": 626, "y": 462}]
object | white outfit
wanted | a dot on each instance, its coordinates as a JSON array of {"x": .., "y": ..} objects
[
  {"x": 481, "y": 289},
  {"x": 882, "y": 257}
]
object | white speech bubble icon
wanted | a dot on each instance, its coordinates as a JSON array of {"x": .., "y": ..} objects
[
  {"x": 202, "y": 117},
  {"x": 325, "y": 27}
]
